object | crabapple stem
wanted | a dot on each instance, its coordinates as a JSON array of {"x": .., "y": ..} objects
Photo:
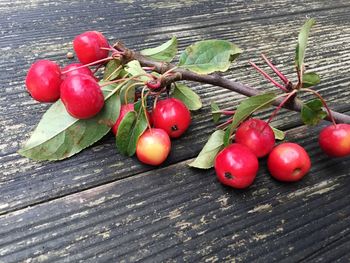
[
  {"x": 127, "y": 91},
  {"x": 119, "y": 80},
  {"x": 324, "y": 104},
  {"x": 120, "y": 86},
  {"x": 90, "y": 64},
  {"x": 97, "y": 68},
  {"x": 273, "y": 67},
  {"x": 115, "y": 89},
  {"x": 114, "y": 71},
  {"x": 157, "y": 96},
  {"x": 267, "y": 76},
  {"x": 169, "y": 71},
  {"x": 148, "y": 68},
  {"x": 109, "y": 49}
]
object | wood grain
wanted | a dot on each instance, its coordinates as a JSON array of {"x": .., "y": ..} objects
[
  {"x": 100, "y": 206},
  {"x": 181, "y": 213}
]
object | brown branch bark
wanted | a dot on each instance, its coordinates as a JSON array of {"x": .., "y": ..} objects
[{"x": 216, "y": 80}]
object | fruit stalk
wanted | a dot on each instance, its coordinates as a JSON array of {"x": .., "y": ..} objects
[{"x": 214, "y": 79}]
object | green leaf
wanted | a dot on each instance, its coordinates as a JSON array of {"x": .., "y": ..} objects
[
  {"x": 131, "y": 131},
  {"x": 227, "y": 135},
  {"x": 279, "y": 135},
  {"x": 187, "y": 96},
  {"x": 312, "y": 112},
  {"x": 206, "y": 157},
  {"x": 112, "y": 70},
  {"x": 302, "y": 42},
  {"x": 139, "y": 127},
  {"x": 135, "y": 70},
  {"x": 165, "y": 52},
  {"x": 208, "y": 56},
  {"x": 214, "y": 111},
  {"x": 310, "y": 79},
  {"x": 59, "y": 135},
  {"x": 246, "y": 108},
  {"x": 124, "y": 130}
]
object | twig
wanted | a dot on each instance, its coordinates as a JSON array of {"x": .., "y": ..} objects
[
  {"x": 273, "y": 67},
  {"x": 267, "y": 76},
  {"x": 216, "y": 80}
]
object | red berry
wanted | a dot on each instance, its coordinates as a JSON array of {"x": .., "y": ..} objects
[
  {"x": 288, "y": 162},
  {"x": 236, "y": 166},
  {"x": 124, "y": 109},
  {"x": 257, "y": 135},
  {"x": 75, "y": 69},
  {"x": 153, "y": 146},
  {"x": 43, "y": 81},
  {"x": 82, "y": 96},
  {"x": 335, "y": 140},
  {"x": 172, "y": 116},
  {"x": 88, "y": 46}
]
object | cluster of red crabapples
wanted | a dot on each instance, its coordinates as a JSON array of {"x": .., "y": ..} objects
[
  {"x": 75, "y": 84},
  {"x": 82, "y": 97},
  {"x": 235, "y": 166},
  {"x": 170, "y": 118}
]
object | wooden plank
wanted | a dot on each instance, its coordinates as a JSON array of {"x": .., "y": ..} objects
[
  {"x": 49, "y": 33},
  {"x": 337, "y": 251},
  {"x": 181, "y": 214}
]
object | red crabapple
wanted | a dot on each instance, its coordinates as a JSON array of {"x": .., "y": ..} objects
[
  {"x": 82, "y": 96},
  {"x": 257, "y": 135},
  {"x": 43, "y": 81},
  {"x": 236, "y": 166},
  {"x": 153, "y": 146},
  {"x": 88, "y": 46},
  {"x": 172, "y": 116},
  {"x": 335, "y": 140},
  {"x": 288, "y": 162}
]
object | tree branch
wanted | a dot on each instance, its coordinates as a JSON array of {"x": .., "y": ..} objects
[{"x": 216, "y": 80}]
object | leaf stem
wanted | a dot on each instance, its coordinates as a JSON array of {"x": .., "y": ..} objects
[
  {"x": 148, "y": 68},
  {"x": 169, "y": 71},
  {"x": 324, "y": 104},
  {"x": 300, "y": 78},
  {"x": 262, "y": 72},
  {"x": 273, "y": 67},
  {"x": 225, "y": 124},
  {"x": 225, "y": 112}
]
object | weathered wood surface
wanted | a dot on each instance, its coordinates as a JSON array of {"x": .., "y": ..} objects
[{"x": 99, "y": 206}]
